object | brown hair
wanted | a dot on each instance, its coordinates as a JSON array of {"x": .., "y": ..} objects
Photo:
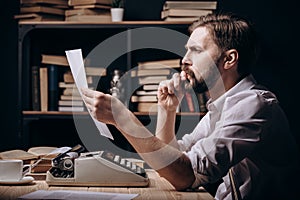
[{"x": 229, "y": 31}]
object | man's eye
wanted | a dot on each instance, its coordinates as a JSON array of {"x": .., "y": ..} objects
[{"x": 196, "y": 50}]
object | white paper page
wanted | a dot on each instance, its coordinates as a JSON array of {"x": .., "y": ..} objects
[
  {"x": 77, "y": 68},
  {"x": 76, "y": 195}
]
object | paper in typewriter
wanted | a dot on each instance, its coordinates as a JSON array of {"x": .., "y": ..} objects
[{"x": 77, "y": 68}]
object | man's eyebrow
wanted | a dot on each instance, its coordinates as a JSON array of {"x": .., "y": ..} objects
[{"x": 194, "y": 46}]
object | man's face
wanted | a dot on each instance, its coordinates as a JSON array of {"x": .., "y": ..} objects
[{"x": 200, "y": 60}]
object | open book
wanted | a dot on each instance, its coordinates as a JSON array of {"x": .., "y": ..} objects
[{"x": 39, "y": 157}]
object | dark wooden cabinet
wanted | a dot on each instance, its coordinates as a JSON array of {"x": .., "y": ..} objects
[{"x": 55, "y": 128}]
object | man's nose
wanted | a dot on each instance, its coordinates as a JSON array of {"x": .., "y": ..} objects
[{"x": 185, "y": 64}]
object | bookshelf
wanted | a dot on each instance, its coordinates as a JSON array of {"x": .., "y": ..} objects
[{"x": 37, "y": 38}]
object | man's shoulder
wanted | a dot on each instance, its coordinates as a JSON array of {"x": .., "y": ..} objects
[
  {"x": 254, "y": 99},
  {"x": 255, "y": 93}
]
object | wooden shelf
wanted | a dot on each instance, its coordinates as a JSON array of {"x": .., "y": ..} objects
[
  {"x": 52, "y": 113},
  {"x": 86, "y": 113},
  {"x": 36, "y": 115},
  {"x": 113, "y": 23}
]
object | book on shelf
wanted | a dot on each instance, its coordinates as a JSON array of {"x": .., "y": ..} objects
[
  {"x": 62, "y": 61},
  {"x": 95, "y": 71},
  {"x": 68, "y": 77},
  {"x": 190, "y": 5},
  {"x": 158, "y": 64},
  {"x": 189, "y": 101},
  {"x": 47, "y": 2},
  {"x": 44, "y": 88},
  {"x": 70, "y": 102},
  {"x": 147, "y": 107},
  {"x": 90, "y": 18},
  {"x": 42, "y": 9},
  {"x": 92, "y": 6},
  {"x": 38, "y": 17},
  {"x": 86, "y": 11},
  {"x": 146, "y": 98},
  {"x": 53, "y": 92},
  {"x": 87, "y": 2},
  {"x": 71, "y": 108},
  {"x": 150, "y": 72},
  {"x": 184, "y": 13},
  {"x": 181, "y": 19},
  {"x": 188, "y": 11},
  {"x": 66, "y": 85},
  {"x": 54, "y": 59},
  {"x": 151, "y": 79},
  {"x": 147, "y": 87},
  {"x": 70, "y": 97},
  {"x": 35, "y": 88},
  {"x": 146, "y": 93},
  {"x": 202, "y": 99},
  {"x": 195, "y": 101},
  {"x": 70, "y": 92}
]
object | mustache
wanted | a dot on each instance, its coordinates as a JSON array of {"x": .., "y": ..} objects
[
  {"x": 186, "y": 69},
  {"x": 187, "y": 84}
]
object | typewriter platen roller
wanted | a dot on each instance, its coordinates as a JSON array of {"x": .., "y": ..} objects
[{"x": 99, "y": 168}]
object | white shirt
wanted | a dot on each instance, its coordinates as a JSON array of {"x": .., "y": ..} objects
[{"x": 244, "y": 129}]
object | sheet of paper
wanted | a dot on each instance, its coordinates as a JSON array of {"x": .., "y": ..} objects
[
  {"x": 75, "y": 60},
  {"x": 76, "y": 195}
]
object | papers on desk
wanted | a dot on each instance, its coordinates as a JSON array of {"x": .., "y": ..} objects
[
  {"x": 76, "y": 195},
  {"x": 77, "y": 68}
]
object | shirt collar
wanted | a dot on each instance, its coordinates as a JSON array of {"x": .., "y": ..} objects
[{"x": 245, "y": 84}]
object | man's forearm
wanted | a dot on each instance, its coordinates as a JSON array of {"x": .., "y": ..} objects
[
  {"x": 167, "y": 160},
  {"x": 165, "y": 128}
]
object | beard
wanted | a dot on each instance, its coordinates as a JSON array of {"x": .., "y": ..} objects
[
  {"x": 193, "y": 84},
  {"x": 208, "y": 79}
]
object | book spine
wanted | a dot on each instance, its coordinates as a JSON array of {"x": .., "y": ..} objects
[
  {"x": 35, "y": 88},
  {"x": 44, "y": 88},
  {"x": 184, "y": 107},
  {"x": 195, "y": 102},
  {"x": 202, "y": 102},
  {"x": 53, "y": 87},
  {"x": 189, "y": 101}
]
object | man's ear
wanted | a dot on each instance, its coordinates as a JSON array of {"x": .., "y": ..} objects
[{"x": 230, "y": 58}]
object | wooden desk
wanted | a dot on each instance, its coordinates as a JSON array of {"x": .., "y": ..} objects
[{"x": 159, "y": 189}]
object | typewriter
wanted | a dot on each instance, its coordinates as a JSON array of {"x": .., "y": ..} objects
[{"x": 98, "y": 168}]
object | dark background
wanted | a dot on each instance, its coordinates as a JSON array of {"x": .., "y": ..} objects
[{"x": 276, "y": 22}]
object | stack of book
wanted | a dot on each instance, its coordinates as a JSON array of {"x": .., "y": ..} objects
[
  {"x": 149, "y": 74},
  {"x": 89, "y": 10},
  {"x": 186, "y": 10},
  {"x": 53, "y": 86},
  {"x": 70, "y": 99},
  {"x": 42, "y": 10}
]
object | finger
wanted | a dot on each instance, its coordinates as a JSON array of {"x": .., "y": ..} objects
[
  {"x": 88, "y": 92},
  {"x": 163, "y": 87},
  {"x": 171, "y": 88},
  {"x": 176, "y": 80},
  {"x": 183, "y": 75},
  {"x": 88, "y": 100}
]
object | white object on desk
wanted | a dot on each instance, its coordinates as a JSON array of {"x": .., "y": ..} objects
[
  {"x": 100, "y": 168},
  {"x": 76, "y": 195},
  {"x": 12, "y": 170},
  {"x": 22, "y": 181}
]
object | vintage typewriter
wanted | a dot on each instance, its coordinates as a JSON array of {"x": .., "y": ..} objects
[{"x": 99, "y": 168}]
